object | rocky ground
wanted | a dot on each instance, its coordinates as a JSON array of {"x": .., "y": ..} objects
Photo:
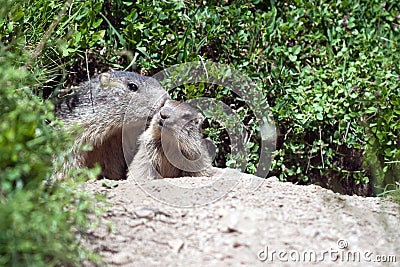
[{"x": 227, "y": 220}]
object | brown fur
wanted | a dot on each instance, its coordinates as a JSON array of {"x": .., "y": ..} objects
[
  {"x": 111, "y": 115},
  {"x": 172, "y": 146}
]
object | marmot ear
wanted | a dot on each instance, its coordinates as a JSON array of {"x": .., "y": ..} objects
[{"x": 104, "y": 78}]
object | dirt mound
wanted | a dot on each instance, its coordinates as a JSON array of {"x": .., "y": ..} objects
[{"x": 278, "y": 223}]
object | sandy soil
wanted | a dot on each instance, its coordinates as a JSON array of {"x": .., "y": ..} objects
[{"x": 227, "y": 221}]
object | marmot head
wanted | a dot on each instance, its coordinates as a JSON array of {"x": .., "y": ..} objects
[
  {"x": 112, "y": 99},
  {"x": 173, "y": 145},
  {"x": 138, "y": 96},
  {"x": 178, "y": 122}
]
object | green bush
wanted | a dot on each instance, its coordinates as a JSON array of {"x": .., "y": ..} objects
[
  {"x": 336, "y": 89},
  {"x": 330, "y": 71},
  {"x": 41, "y": 224}
]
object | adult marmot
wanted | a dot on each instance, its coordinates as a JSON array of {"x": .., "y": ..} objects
[{"x": 111, "y": 111}]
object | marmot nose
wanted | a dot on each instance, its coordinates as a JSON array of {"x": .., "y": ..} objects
[{"x": 165, "y": 112}]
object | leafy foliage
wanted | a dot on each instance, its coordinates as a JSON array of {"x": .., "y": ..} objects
[
  {"x": 41, "y": 224},
  {"x": 330, "y": 71},
  {"x": 341, "y": 92}
]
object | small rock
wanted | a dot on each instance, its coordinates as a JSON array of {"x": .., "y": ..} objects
[
  {"x": 120, "y": 239},
  {"x": 122, "y": 258},
  {"x": 229, "y": 223},
  {"x": 144, "y": 212}
]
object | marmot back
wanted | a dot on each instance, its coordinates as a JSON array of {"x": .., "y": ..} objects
[
  {"x": 111, "y": 111},
  {"x": 172, "y": 146}
]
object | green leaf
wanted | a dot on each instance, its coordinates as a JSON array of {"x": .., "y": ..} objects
[
  {"x": 371, "y": 110},
  {"x": 292, "y": 58},
  {"x": 109, "y": 183},
  {"x": 143, "y": 51},
  {"x": 296, "y": 49}
]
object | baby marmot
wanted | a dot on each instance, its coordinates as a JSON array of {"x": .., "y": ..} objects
[{"x": 172, "y": 146}]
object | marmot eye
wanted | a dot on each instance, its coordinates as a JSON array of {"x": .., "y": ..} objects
[{"x": 133, "y": 87}]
